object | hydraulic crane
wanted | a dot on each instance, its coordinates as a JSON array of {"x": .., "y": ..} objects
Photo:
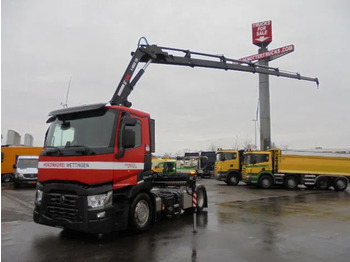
[{"x": 161, "y": 55}]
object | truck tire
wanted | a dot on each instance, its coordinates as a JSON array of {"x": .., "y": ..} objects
[
  {"x": 340, "y": 184},
  {"x": 141, "y": 211},
  {"x": 291, "y": 182},
  {"x": 6, "y": 178},
  {"x": 232, "y": 179},
  {"x": 323, "y": 183},
  {"x": 200, "y": 200},
  {"x": 265, "y": 182}
]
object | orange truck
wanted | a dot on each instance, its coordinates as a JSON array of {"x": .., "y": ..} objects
[{"x": 9, "y": 155}]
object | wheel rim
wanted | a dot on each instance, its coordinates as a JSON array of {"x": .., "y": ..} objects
[
  {"x": 233, "y": 180},
  {"x": 291, "y": 183},
  {"x": 340, "y": 183},
  {"x": 142, "y": 213},
  {"x": 265, "y": 182}
]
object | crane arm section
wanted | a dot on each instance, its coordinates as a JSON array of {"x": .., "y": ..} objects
[{"x": 171, "y": 56}]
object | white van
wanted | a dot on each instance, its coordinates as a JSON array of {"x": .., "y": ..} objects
[{"x": 26, "y": 170}]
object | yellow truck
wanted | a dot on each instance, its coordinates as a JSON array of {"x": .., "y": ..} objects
[
  {"x": 228, "y": 166},
  {"x": 9, "y": 155},
  {"x": 157, "y": 164},
  {"x": 290, "y": 169}
]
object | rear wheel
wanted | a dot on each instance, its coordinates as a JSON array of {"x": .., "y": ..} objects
[
  {"x": 232, "y": 179},
  {"x": 140, "y": 213},
  {"x": 200, "y": 200},
  {"x": 340, "y": 184},
  {"x": 265, "y": 182},
  {"x": 323, "y": 183},
  {"x": 6, "y": 178},
  {"x": 291, "y": 182}
]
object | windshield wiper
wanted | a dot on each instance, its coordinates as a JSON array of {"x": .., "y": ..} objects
[
  {"x": 85, "y": 150},
  {"x": 51, "y": 150}
]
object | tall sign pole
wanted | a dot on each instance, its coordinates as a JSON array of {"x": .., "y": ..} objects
[{"x": 262, "y": 37}]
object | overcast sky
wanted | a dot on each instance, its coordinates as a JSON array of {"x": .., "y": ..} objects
[{"x": 44, "y": 43}]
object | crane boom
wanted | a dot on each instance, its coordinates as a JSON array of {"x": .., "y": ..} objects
[{"x": 161, "y": 55}]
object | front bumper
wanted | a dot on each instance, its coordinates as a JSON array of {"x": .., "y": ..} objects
[
  {"x": 70, "y": 211},
  {"x": 249, "y": 179},
  {"x": 25, "y": 181},
  {"x": 221, "y": 176}
]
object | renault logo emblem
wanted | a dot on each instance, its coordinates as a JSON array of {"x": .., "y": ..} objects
[{"x": 62, "y": 199}]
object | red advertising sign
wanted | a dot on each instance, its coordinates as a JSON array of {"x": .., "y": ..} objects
[
  {"x": 262, "y": 33},
  {"x": 271, "y": 54}
]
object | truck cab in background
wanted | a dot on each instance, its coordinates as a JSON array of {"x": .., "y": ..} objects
[
  {"x": 228, "y": 166},
  {"x": 206, "y": 164},
  {"x": 26, "y": 170}
]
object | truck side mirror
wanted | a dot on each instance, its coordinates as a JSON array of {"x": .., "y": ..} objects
[
  {"x": 128, "y": 138},
  {"x": 128, "y": 141},
  {"x": 14, "y": 166}
]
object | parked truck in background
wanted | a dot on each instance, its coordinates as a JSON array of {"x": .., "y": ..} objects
[
  {"x": 95, "y": 170},
  {"x": 9, "y": 155},
  {"x": 26, "y": 171},
  {"x": 206, "y": 164},
  {"x": 290, "y": 169},
  {"x": 228, "y": 166}
]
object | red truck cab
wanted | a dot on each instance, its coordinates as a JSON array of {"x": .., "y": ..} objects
[{"x": 95, "y": 159}]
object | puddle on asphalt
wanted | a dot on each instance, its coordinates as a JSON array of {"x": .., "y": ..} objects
[{"x": 318, "y": 204}]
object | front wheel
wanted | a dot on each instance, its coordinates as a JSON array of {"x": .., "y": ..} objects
[
  {"x": 265, "y": 182},
  {"x": 232, "y": 179},
  {"x": 140, "y": 213}
]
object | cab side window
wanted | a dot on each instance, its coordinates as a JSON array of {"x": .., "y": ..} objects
[{"x": 137, "y": 129}]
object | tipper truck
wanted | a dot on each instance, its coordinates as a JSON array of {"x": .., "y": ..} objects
[
  {"x": 95, "y": 170},
  {"x": 228, "y": 166},
  {"x": 290, "y": 169}
]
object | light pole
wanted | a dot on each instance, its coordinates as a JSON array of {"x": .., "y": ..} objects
[{"x": 255, "y": 120}]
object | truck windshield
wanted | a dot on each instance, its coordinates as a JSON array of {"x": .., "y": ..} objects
[
  {"x": 256, "y": 158},
  {"x": 222, "y": 156},
  {"x": 88, "y": 132},
  {"x": 27, "y": 163}
]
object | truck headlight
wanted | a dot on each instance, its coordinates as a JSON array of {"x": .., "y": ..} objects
[
  {"x": 98, "y": 201},
  {"x": 19, "y": 175},
  {"x": 38, "y": 196}
]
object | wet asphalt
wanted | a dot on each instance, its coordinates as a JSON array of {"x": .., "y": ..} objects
[{"x": 241, "y": 224}]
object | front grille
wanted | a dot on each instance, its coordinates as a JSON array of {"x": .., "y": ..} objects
[
  {"x": 63, "y": 206},
  {"x": 30, "y": 175}
]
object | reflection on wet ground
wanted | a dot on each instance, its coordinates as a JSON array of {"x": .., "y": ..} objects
[{"x": 241, "y": 224}]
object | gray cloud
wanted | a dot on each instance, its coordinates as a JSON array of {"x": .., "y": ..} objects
[{"x": 44, "y": 43}]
